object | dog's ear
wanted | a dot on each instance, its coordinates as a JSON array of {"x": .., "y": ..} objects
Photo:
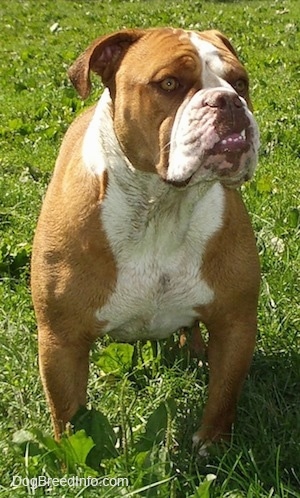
[{"x": 103, "y": 57}]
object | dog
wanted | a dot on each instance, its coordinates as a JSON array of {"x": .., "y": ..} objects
[{"x": 143, "y": 230}]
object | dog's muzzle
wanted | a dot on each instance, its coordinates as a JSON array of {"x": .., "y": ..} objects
[{"x": 214, "y": 137}]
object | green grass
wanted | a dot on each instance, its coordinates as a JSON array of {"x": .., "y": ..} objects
[{"x": 37, "y": 104}]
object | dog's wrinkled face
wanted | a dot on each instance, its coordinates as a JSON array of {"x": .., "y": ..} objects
[{"x": 181, "y": 105}]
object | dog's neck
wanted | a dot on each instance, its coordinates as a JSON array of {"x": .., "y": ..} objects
[
  {"x": 102, "y": 152},
  {"x": 139, "y": 209}
]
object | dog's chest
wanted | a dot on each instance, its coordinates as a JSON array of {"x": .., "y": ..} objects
[{"x": 158, "y": 237}]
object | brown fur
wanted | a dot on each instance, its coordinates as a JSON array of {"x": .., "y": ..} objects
[
  {"x": 231, "y": 267},
  {"x": 71, "y": 259}
]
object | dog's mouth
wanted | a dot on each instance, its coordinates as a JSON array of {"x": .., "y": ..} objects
[
  {"x": 229, "y": 161},
  {"x": 233, "y": 142},
  {"x": 229, "y": 158}
]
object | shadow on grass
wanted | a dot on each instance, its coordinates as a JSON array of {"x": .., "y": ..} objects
[
  {"x": 265, "y": 448},
  {"x": 270, "y": 416}
]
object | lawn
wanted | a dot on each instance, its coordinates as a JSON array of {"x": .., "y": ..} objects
[{"x": 145, "y": 402}]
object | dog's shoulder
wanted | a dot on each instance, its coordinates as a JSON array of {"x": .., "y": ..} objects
[{"x": 72, "y": 142}]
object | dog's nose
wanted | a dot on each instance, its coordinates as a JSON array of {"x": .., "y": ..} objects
[{"x": 222, "y": 100}]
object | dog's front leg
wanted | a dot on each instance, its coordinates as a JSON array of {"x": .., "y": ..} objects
[
  {"x": 64, "y": 369},
  {"x": 230, "y": 351}
]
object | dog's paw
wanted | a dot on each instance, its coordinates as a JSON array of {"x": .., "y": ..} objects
[{"x": 201, "y": 447}]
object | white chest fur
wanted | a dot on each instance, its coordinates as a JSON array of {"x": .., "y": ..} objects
[{"x": 158, "y": 235}]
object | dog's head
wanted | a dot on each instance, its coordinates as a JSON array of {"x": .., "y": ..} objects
[{"x": 181, "y": 104}]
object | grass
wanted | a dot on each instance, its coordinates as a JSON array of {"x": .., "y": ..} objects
[{"x": 137, "y": 398}]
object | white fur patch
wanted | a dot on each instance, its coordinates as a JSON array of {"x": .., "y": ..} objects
[
  {"x": 158, "y": 236},
  {"x": 212, "y": 64},
  {"x": 101, "y": 150}
]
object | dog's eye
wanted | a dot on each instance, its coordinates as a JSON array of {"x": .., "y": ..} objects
[
  {"x": 241, "y": 86},
  {"x": 169, "y": 84}
]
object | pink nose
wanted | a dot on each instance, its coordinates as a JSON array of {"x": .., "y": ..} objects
[{"x": 222, "y": 100}]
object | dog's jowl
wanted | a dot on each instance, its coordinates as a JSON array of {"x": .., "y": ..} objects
[{"x": 143, "y": 230}]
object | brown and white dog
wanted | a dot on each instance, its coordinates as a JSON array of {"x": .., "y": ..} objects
[{"x": 142, "y": 231}]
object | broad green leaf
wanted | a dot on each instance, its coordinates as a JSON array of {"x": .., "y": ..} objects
[
  {"x": 264, "y": 184},
  {"x": 156, "y": 426},
  {"x": 97, "y": 426},
  {"x": 77, "y": 447},
  {"x": 15, "y": 124},
  {"x": 140, "y": 459},
  {"x": 48, "y": 442},
  {"x": 116, "y": 358},
  {"x": 203, "y": 490},
  {"x": 35, "y": 443},
  {"x": 294, "y": 217}
]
